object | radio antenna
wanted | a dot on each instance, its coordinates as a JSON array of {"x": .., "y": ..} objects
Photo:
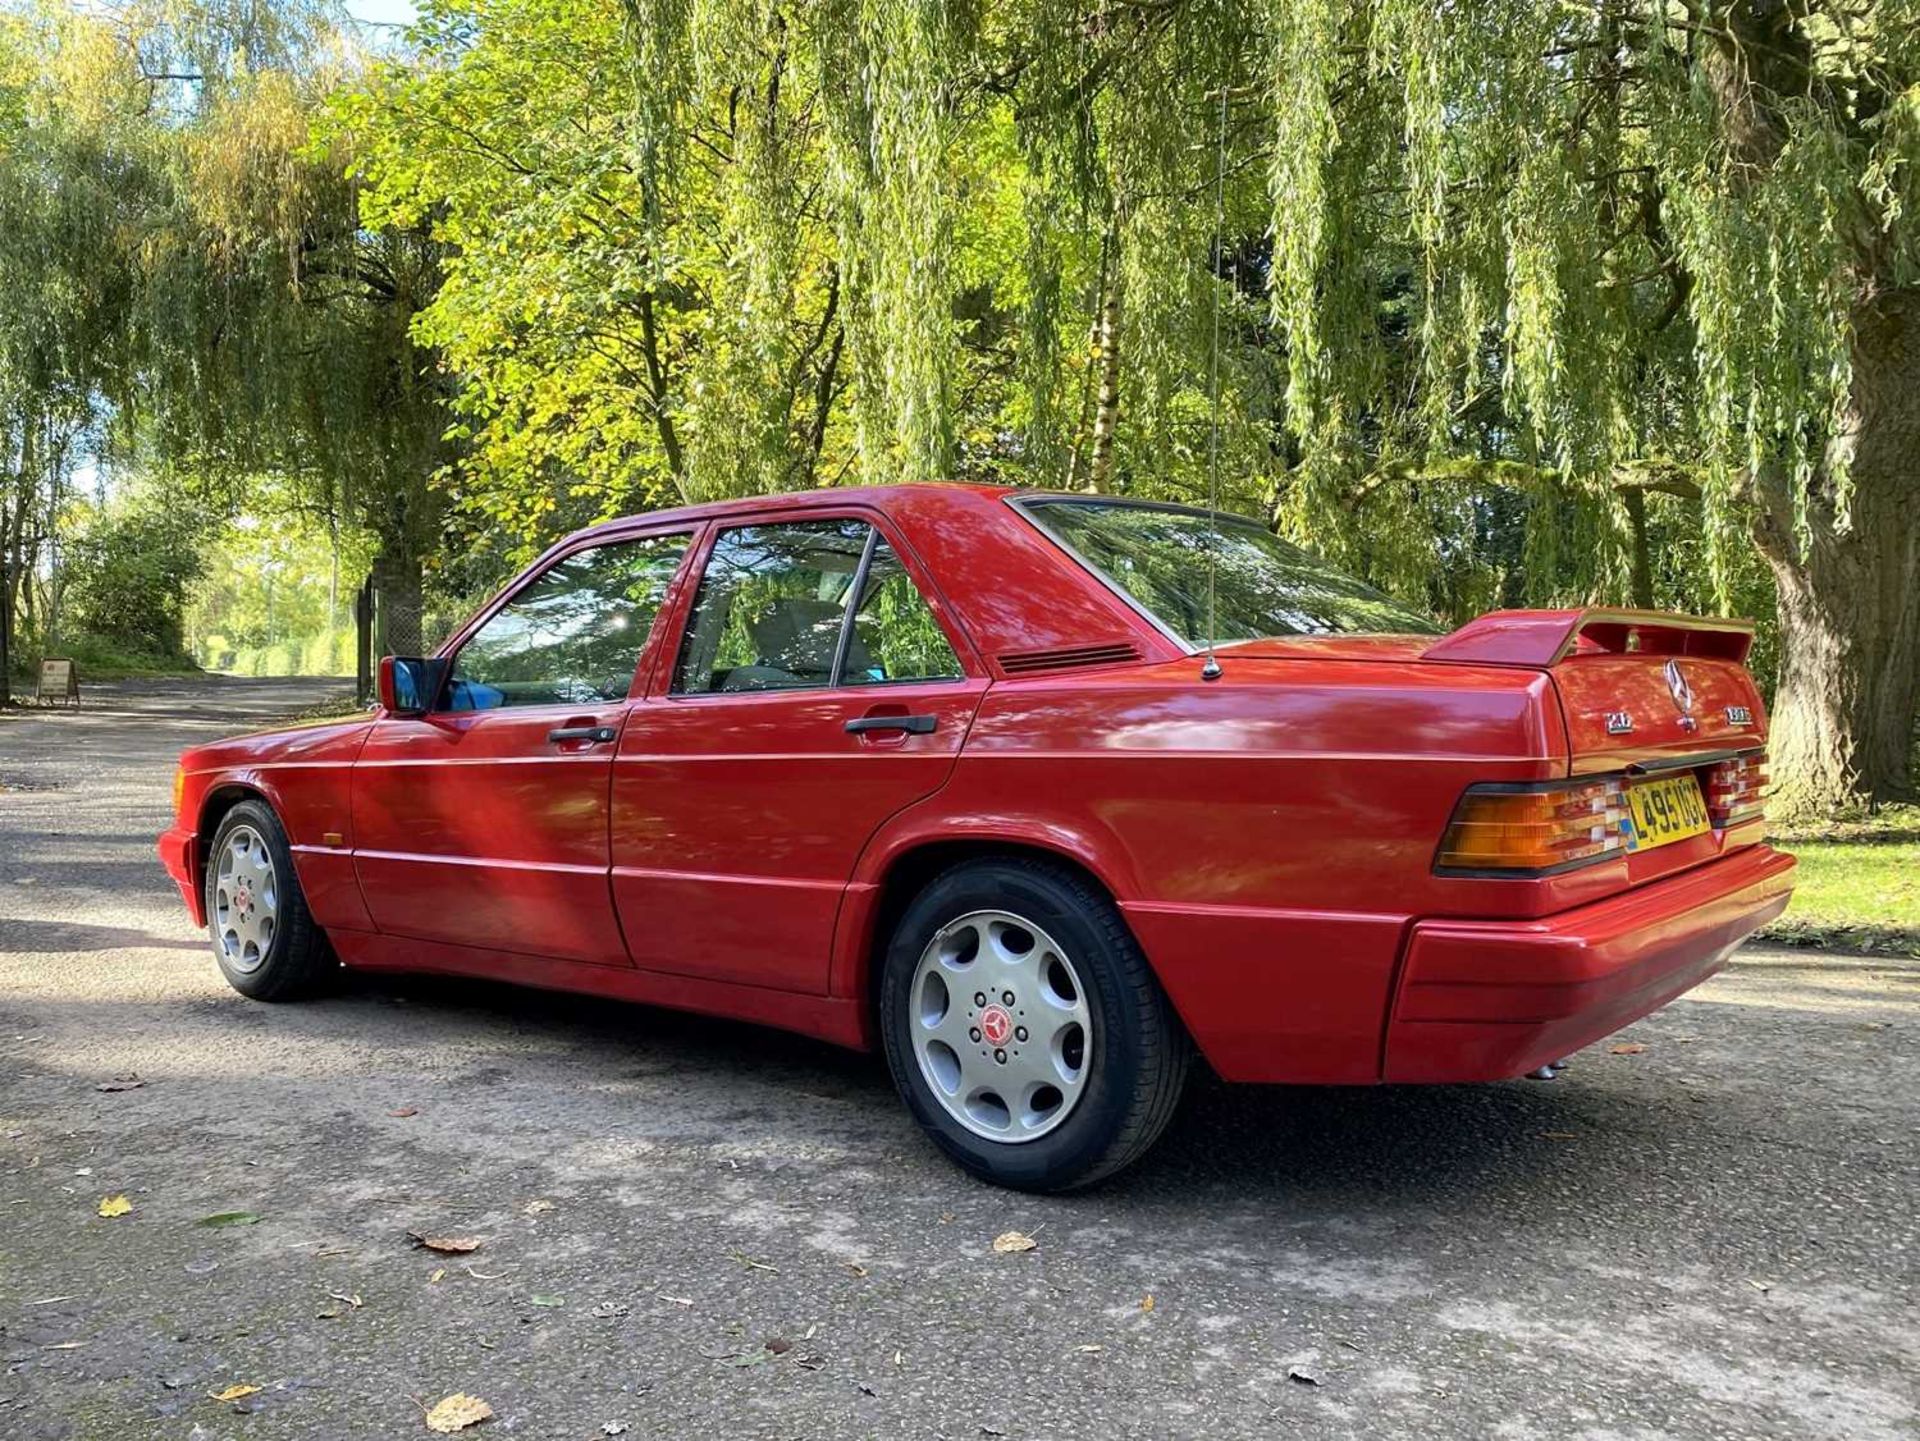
[{"x": 1210, "y": 669}]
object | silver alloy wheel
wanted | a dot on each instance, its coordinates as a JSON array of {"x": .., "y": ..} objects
[
  {"x": 1001, "y": 1026},
  {"x": 246, "y": 901}
]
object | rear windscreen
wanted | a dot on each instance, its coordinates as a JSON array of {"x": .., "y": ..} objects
[{"x": 1262, "y": 585}]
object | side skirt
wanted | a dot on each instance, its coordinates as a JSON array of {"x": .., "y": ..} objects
[{"x": 838, "y": 1021}]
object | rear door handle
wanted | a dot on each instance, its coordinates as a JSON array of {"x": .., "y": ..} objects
[
  {"x": 599, "y": 735},
  {"x": 919, "y": 725}
]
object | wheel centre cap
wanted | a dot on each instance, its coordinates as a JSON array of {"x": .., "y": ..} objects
[
  {"x": 243, "y": 898},
  {"x": 996, "y": 1025}
]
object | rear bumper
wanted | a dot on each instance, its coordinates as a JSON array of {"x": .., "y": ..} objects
[
  {"x": 1487, "y": 1000},
  {"x": 180, "y": 854}
]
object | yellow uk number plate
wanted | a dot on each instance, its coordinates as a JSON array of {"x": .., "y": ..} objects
[{"x": 1664, "y": 811}]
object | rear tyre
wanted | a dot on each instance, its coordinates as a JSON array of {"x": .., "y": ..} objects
[
  {"x": 264, "y": 938},
  {"x": 1024, "y": 1028}
]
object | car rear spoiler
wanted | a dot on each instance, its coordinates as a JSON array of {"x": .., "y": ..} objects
[{"x": 1542, "y": 638}]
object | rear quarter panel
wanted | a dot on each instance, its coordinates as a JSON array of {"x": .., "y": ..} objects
[{"x": 1268, "y": 835}]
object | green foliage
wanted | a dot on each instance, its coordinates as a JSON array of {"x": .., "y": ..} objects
[
  {"x": 1515, "y": 303},
  {"x": 708, "y": 247},
  {"x": 128, "y": 565},
  {"x": 275, "y": 596}
]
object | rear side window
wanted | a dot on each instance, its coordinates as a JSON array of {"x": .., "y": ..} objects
[
  {"x": 895, "y": 637},
  {"x": 572, "y": 636},
  {"x": 770, "y": 607},
  {"x": 1161, "y": 556},
  {"x": 777, "y": 610}
]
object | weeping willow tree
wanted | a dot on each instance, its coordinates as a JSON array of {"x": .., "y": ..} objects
[
  {"x": 187, "y": 293},
  {"x": 278, "y": 368},
  {"x": 1676, "y": 242},
  {"x": 1515, "y": 301}
]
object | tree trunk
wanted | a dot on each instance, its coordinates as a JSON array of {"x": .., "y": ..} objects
[
  {"x": 1635, "y": 500},
  {"x": 1106, "y": 410},
  {"x": 396, "y": 583},
  {"x": 1844, "y": 711},
  {"x": 6, "y": 627}
]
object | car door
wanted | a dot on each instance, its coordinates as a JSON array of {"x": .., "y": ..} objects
[
  {"x": 484, "y": 822},
  {"x": 816, "y": 689}
]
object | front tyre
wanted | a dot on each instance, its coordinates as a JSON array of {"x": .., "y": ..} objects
[
  {"x": 263, "y": 935},
  {"x": 1024, "y": 1028}
]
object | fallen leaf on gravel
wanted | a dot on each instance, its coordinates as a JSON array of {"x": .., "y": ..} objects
[
  {"x": 1088, "y": 1350},
  {"x": 1626, "y": 1048},
  {"x": 609, "y": 1310},
  {"x": 232, "y": 1393},
  {"x": 1761, "y": 1286},
  {"x": 439, "y": 1274},
  {"x": 1008, "y": 1242},
  {"x": 404, "y": 1112},
  {"x": 1301, "y": 1376},
  {"x": 1146, "y": 1303},
  {"x": 445, "y": 1245},
  {"x": 855, "y": 1267},
  {"x": 111, "y": 1206},
  {"x": 538, "y": 1208},
  {"x": 121, "y": 1083},
  {"x": 457, "y": 1412},
  {"x": 342, "y": 1303},
  {"x": 779, "y": 1345},
  {"x": 752, "y": 1265},
  {"x": 229, "y": 1218},
  {"x": 676, "y": 1300},
  {"x": 809, "y": 1362},
  {"x": 548, "y": 1300},
  {"x": 1558, "y": 1135},
  {"x": 613, "y": 1428},
  {"x": 481, "y": 1275}
]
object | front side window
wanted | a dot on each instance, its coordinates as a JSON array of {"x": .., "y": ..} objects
[
  {"x": 1262, "y": 586},
  {"x": 573, "y": 635}
]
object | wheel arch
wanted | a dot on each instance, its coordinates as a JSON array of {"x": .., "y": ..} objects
[
  {"x": 910, "y": 869},
  {"x": 220, "y": 798}
]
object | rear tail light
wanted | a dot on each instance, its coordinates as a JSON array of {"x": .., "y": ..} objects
[
  {"x": 1535, "y": 829},
  {"x": 1733, "y": 790}
]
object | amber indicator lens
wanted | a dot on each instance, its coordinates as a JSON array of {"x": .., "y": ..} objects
[{"x": 1535, "y": 830}]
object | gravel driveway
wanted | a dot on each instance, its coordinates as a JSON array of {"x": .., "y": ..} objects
[{"x": 690, "y": 1228}]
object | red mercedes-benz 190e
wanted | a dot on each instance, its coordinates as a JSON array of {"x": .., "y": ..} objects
[{"x": 946, "y": 770}]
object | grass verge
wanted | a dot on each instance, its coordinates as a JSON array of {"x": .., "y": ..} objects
[{"x": 1858, "y": 886}]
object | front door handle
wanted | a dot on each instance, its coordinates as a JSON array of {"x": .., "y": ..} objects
[
  {"x": 598, "y": 735},
  {"x": 919, "y": 725}
]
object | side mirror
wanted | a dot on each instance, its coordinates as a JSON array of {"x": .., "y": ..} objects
[{"x": 410, "y": 685}]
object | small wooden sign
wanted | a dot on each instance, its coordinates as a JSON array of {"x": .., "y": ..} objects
[{"x": 59, "y": 681}]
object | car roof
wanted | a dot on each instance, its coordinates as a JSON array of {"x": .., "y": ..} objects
[{"x": 801, "y": 500}]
